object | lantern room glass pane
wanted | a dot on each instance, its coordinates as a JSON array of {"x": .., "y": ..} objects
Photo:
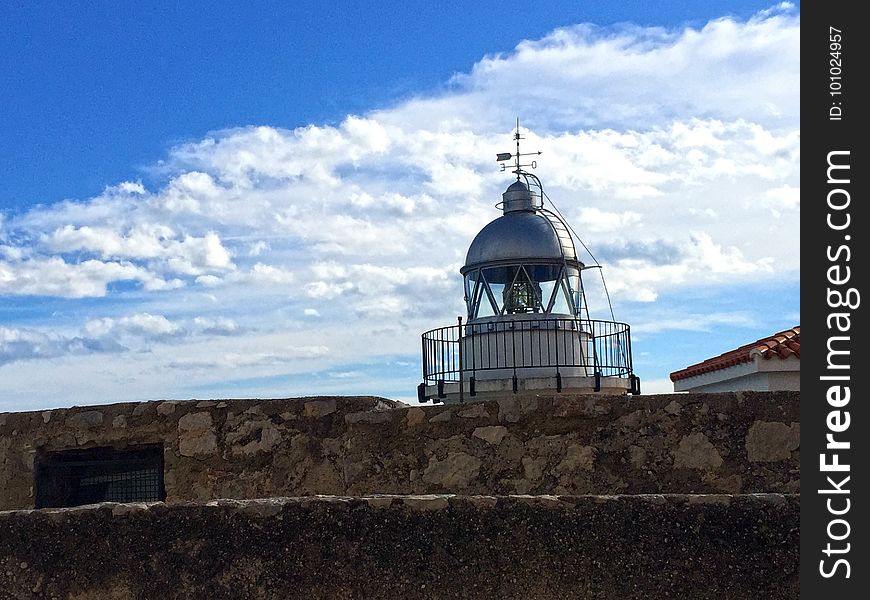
[
  {"x": 470, "y": 281},
  {"x": 574, "y": 284},
  {"x": 485, "y": 307},
  {"x": 497, "y": 285},
  {"x": 547, "y": 288},
  {"x": 563, "y": 304}
]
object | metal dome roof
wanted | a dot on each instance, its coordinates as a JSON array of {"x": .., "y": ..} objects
[
  {"x": 517, "y": 186},
  {"x": 522, "y": 236}
]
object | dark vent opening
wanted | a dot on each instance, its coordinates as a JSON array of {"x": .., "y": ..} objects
[{"x": 88, "y": 476}]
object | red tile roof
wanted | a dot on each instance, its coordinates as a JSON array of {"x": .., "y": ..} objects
[{"x": 781, "y": 345}]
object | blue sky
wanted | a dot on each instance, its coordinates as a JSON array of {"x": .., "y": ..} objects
[{"x": 209, "y": 200}]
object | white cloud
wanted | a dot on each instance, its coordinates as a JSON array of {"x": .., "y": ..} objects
[
  {"x": 595, "y": 219},
  {"x": 216, "y": 326},
  {"x": 190, "y": 255},
  {"x": 693, "y": 322},
  {"x": 18, "y": 344},
  {"x": 138, "y": 332},
  {"x": 258, "y": 274},
  {"x": 257, "y": 248},
  {"x": 201, "y": 254},
  {"x": 783, "y": 198},
  {"x": 346, "y": 374},
  {"x": 128, "y": 187},
  {"x": 584, "y": 76},
  {"x": 698, "y": 260},
  {"x": 141, "y": 242},
  {"x": 158, "y": 327},
  {"x": 326, "y": 290},
  {"x": 140, "y": 324},
  {"x": 52, "y": 276},
  {"x": 259, "y": 359}
]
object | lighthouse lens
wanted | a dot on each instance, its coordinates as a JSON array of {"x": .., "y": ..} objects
[{"x": 521, "y": 297}]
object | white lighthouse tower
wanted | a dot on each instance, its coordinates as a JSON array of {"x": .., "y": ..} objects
[{"x": 527, "y": 329}]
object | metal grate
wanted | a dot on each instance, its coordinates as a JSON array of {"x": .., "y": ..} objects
[
  {"x": 76, "y": 477},
  {"x": 131, "y": 486}
]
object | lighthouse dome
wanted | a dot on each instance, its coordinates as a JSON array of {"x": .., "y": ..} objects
[
  {"x": 519, "y": 236},
  {"x": 524, "y": 233}
]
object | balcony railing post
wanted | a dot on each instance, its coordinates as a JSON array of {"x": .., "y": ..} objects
[
  {"x": 514, "y": 354},
  {"x": 425, "y": 366},
  {"x": 475, "y": 348},
  {"x": 595, "y": 339},
  {"x": 459, "y": 352},
  {"x": 558, "y": 362}
]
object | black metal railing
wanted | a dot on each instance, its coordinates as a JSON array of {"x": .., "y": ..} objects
[{"x": 600, "y": 348}]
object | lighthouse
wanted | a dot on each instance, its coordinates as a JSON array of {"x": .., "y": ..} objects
[{"x": 527, "y": 329}]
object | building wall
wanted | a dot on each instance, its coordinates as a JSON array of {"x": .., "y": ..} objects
[
  {"x": 758, "y": 375},
  {"x": 762, "y": 382},
  {"x": 784, "y": 380},
  {"x": 742, "y": 383},
  {"x": 561, "y": 444}
]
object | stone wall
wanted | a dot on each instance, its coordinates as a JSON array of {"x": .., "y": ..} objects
[
  {"x": 623, "y": 547},
  {"x": 563, "y": 444}
]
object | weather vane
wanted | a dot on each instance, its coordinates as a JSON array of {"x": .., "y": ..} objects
[{"x": 503, "y": 156}]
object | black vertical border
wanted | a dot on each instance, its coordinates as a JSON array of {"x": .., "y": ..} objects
[{"x": 821, "y": 135}]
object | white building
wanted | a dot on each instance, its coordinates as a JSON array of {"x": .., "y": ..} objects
[{"x": 769, "y": 364}]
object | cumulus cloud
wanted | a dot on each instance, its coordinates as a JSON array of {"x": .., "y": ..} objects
[
  {"x": 53, "y": 276},
  {"x": 670, "y": 180},
  {"x": 782, "y": 199},
  {"x": 190, "y": 255},
  {"x": 693, "y": 322},
  {"x": 257, "y": 274},
  {"x": 257, "y": 248},
  {"x": 595, "y": 219},
  {"x": 158, "y": 327},
  {"x": 255, "y": 359},
  {"x": 585, "y": 76},
  {"x": 108, "y": 335},
  {"x": 698, "y": 261},
  {"x": 24, "y": 344},
  {"x": 141, "y": 324}
]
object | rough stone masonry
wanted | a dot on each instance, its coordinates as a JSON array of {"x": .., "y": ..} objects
[{"x": 678, "y": 443}]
